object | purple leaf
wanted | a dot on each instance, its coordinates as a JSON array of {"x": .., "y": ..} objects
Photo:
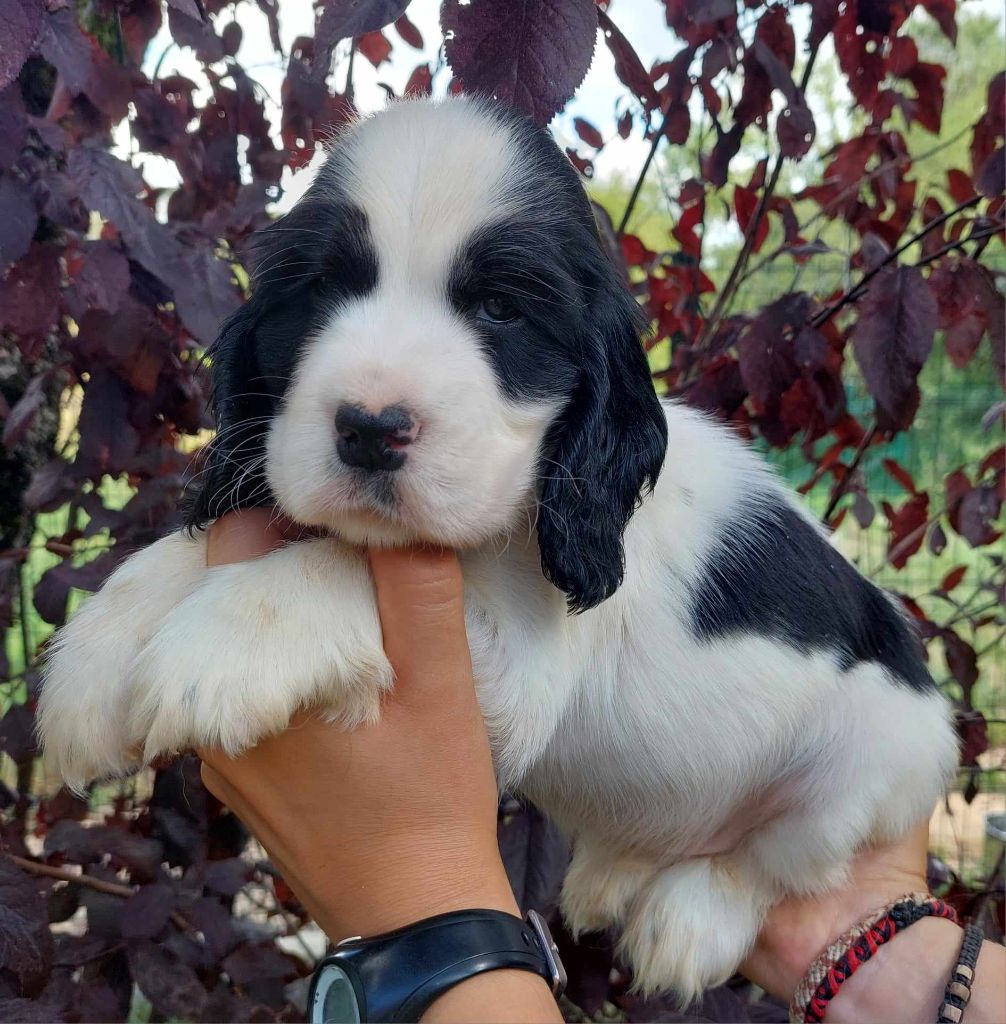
[
  {"x": 17, "y": 733},
  {"x": 29, "y": 295},
  {"x": 226, "y": 877},
  {"x": 148, "y": 912},
  {"x": 795, "y": 130},
  {"x": 19, "y": 219},
  {"x": 53, "y": 589},
  {"x": 961, "y": 660},
  {"x": 202, "y": 285},
  {"x": 193, "y": 32},
  {"x": 863, "y": 510},
  {"x": 25, "y": 941},
  {"x": 529, "y": 54},
  {"x": 13, "y": 126},
  {"x": 49, "y": 486},
  {"x": 90, "y": 845},
  {"x": 212, "y": 918},
  {"x": 535, "y": 855},
  {"x": 341, "y": 19},
  {"x": 99, "y": 282},
  {"x": 190, "y": 8},
  {"x": 29, "y": 1011},
  {"x": 20, "y": 24},
  {"x": 23, "y": 413},
  {"x": 172, "y": 987},
  {"x": 84, "y": 66},
  {"x": 766, "y": 349},
  {"x": 991, "y": 179},
  {"x": 77, "y": 950},
  {"x": 892, "y": 340},
  {"x": 628, "y": 66}
]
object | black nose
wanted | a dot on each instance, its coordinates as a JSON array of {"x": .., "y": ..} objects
[{"x": 374, "y": 442}]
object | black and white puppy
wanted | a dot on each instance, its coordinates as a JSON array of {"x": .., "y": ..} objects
[{"x": 438, "y": 349}]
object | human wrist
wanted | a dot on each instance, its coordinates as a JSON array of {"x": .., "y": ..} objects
[
  {"x": 397, "y": 884},
  {"x": 904, "y": 981}
]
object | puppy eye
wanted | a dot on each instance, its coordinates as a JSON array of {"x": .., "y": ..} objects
[{"x": 496, "y": 310}]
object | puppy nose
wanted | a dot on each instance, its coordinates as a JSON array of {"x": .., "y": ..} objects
[{"x": 374, "y": 442}]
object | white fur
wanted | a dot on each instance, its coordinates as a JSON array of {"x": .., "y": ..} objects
[{"x": 700, "y": 779}]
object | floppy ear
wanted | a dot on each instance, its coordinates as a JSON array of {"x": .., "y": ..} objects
[
  {"x": 233, "y": 465},
  {"x": 605, "y": 448}
]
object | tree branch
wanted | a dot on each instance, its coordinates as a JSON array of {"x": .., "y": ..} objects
[
  {"x": 846, "y": 481},
  {"x": 637, "y": 188},
  {"x": 847, "y": 191},
  {"x": 857, "y": 289},
  {"x": 97, "y": 884},
  {"x": 729, "y": 290}
]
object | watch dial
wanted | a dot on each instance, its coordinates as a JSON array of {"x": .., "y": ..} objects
[{"x": 334, "y": 998}]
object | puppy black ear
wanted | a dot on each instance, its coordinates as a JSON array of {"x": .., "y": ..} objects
[
  {"x": 606, "y": 447},
  {"x": 232, "y": 470}
]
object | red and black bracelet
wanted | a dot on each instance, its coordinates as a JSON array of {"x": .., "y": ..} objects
[{"x": 897, "y": 919}]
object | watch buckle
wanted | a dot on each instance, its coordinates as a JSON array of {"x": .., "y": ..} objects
[{"x": 549, "y": 950}]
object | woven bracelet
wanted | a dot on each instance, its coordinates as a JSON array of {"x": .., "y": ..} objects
[
  {"x": 958, "y": 990},
  {"x": 840, "y": 960}
]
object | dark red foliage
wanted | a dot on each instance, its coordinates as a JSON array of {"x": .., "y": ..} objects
[
  {"x": 530, "y": 54},
  {"x": 110, "y": 292}
]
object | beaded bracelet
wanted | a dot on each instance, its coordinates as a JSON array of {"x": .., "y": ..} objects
[
  {"x": 843, "y": 957},
  {"x": 958, "y": 990}
]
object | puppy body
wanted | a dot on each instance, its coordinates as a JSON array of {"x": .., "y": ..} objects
[{"x": 734, "y": 712}]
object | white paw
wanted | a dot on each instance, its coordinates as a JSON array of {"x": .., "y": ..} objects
[
  {"x": 598, "y": 890},
  {"x": 254, "y": 642},
  {"x": 86, "y": 680},
  {"x": 693, "y": 925}
]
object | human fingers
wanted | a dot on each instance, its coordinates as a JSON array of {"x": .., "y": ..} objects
[{"x": 420, "y": 598}]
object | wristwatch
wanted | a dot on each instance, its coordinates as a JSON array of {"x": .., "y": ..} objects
[{"x": 396, "y": 976}]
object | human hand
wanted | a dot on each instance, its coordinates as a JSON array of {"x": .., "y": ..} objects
[
  {"x": 904, "y": 982},
  {"x": 394, "y": 822},
  {"x": 798, "y": 928}
]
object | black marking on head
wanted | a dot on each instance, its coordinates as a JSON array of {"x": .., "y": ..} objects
[
  {"x": 304, "y": 265},
  {"x": 773, "y": 574},
  {"x": 576, "y": 343}
]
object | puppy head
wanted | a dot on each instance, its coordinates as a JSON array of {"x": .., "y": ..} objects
[{"x": 437, "y": 349}]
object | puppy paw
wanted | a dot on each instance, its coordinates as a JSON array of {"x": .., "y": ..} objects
[
  {"x": 692, "y": 926},
  {"x": 254, "y": 642},
  {"x": 599, "y": 889},
  {"x": 86, "y": 681}
]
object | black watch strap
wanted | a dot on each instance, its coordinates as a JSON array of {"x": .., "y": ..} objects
[{"x": 399, "y": 974}]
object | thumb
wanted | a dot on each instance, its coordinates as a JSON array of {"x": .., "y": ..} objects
[{"x": 420, "y": 599}]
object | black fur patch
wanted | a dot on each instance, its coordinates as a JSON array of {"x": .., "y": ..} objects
[
  {"x": 317, "y": 256},
  {"x": 774, "y": 575}
]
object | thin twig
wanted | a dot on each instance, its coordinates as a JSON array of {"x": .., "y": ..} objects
[
  {"x": 845, "y": 193},
  {"x": 637, "y": 188},
  {"x": 857, "y": 289},
  {"x": 97, "y": 884},
  {"x": 729, "y": 290},
  {"x": 975, "y": 236},
  {"x": 846, "y": 481}
]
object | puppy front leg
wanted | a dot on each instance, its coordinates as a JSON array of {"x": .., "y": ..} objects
[
  {"x": 257, "y": 640},
  {"x": 86, "y": 682}
]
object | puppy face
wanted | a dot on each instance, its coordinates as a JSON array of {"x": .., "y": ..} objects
[{"x": 437, "y": 349}]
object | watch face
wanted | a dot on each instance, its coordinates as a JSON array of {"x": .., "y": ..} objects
[{"x": 334, "y": 999}]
